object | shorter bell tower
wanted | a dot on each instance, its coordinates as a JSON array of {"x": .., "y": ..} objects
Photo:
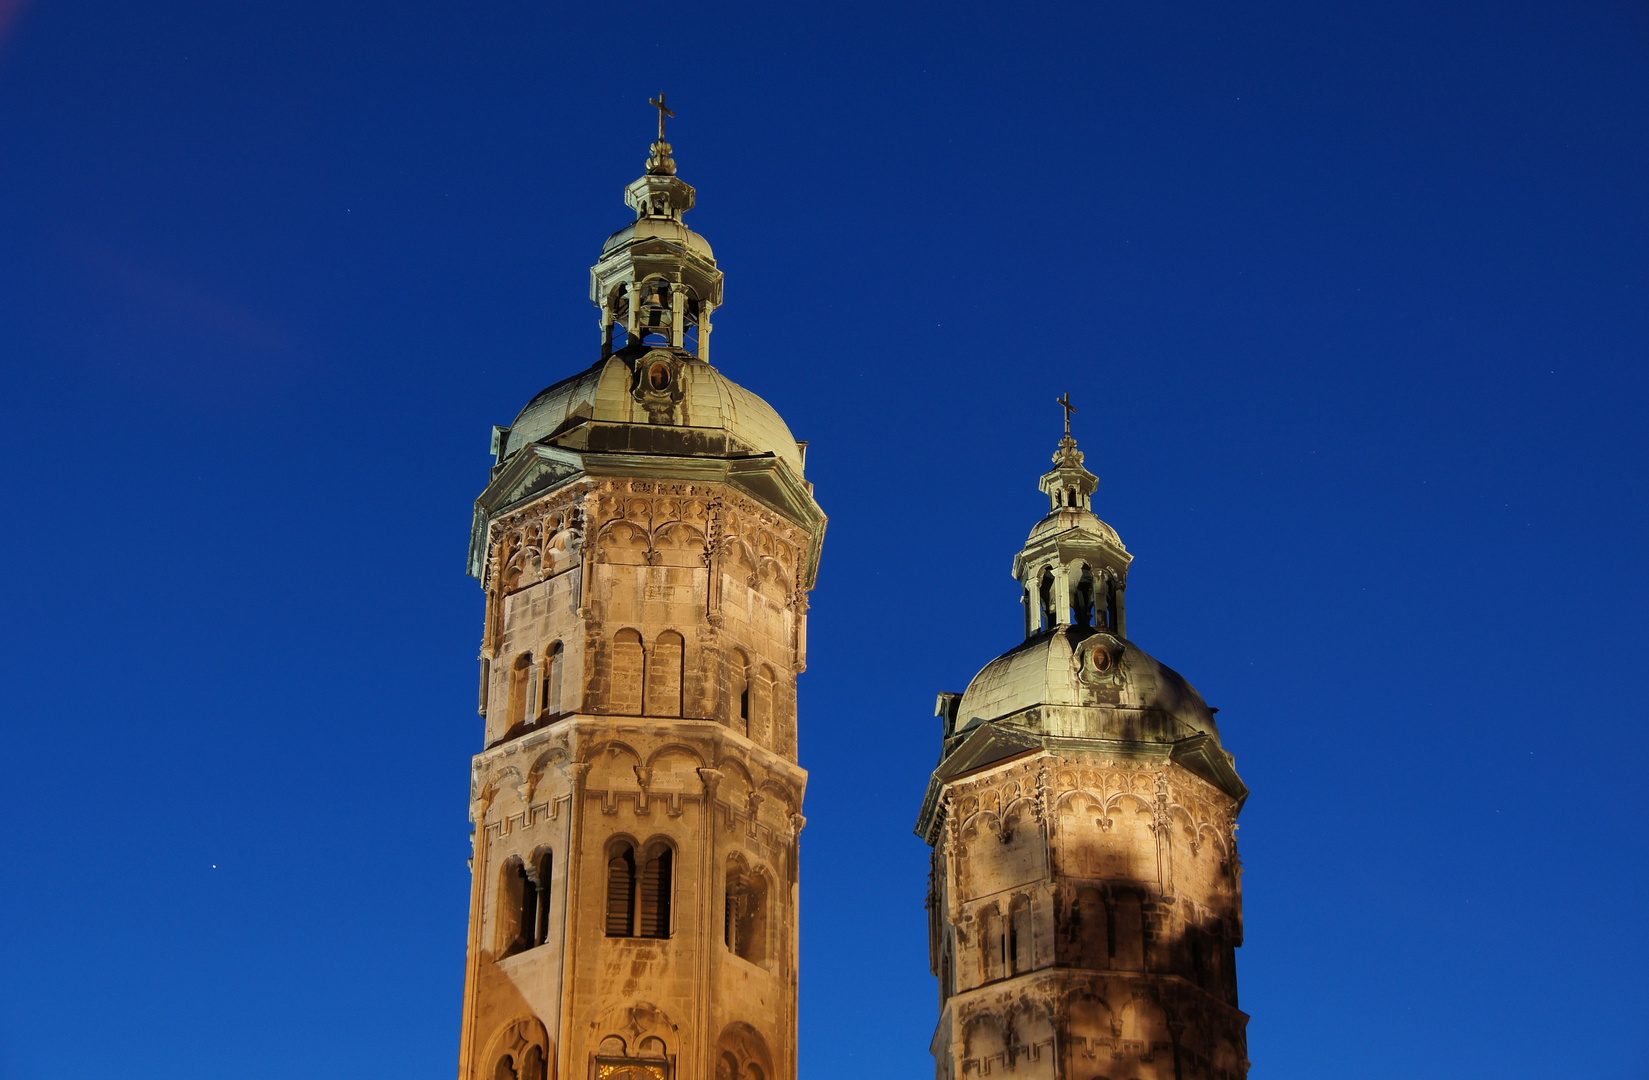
[{"x": 1086, "y": 895}]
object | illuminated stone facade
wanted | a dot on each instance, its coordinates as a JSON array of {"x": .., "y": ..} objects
[
  {"x": 1086, "y": 898},
  {"x": 646, "y": 543}
]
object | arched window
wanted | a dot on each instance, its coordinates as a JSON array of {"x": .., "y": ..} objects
[
  {"x": 656, "y": 886},
  {"x": 738, "y": 689},
  {"x": 665, "y": 675},
  {"x": 657, "y": 312},
  {"x": 549, "y": 694},
  {"x": 616, "y": 336},
  {"x": 1082, "y": 599},
  {"x": 1021, "y": 950},
  {"x": 629, "y": 673},
  {"x": 761, "y": 706},
  {"x": 1207, "y": 949},
  {"x": 753, "y": 934},
  {"x": 1046, "y": 593},
  {"x": 531, "y": 1066},
  {"x": 520, "y": 680},
  {"x": 991, "y": 942},
  {"x": 517, "y": 908},
  {"x": 1129, "y": 952},
  {"x": 638, "y": 896},
  {"x": 745, "y": 917},
  {"x": 732, "y": 907},
  {"x": 1093, "y": 931},
  {"x": 621, "y": 891}
]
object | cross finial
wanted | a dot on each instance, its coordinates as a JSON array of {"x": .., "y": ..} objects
[
  {"x": 1065, "y": 403},
  {"x": 663, "y": 111}
]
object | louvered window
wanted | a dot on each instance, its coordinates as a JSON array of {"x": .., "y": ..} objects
[
  {"x": 655, "y": 896},
  {"x": 621, "y": 893}
]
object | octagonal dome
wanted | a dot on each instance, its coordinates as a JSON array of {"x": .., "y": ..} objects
[
  {"x": 1084, "y": 683},
  {"x": 1071, "y": 517},
  {"x": 709, "y": 401},
  {"x": 666, "y": 229}
]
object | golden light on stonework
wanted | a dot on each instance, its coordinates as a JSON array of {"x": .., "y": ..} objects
[
  {"x": 646, "y": 543},
  {"x": 629, "y": 1071}
]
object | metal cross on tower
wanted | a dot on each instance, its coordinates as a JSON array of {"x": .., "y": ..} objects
[
  {"x": 663, "y": 111},
  {"x": 1062, "y": 402}
]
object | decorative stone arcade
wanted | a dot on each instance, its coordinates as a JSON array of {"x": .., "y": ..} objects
[
  {"x": 646, "y": 543},
  {"x": 1086, "y": 898}
]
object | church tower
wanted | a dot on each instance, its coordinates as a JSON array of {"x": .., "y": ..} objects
[
  {"x": 646, "y": 543},
  {"x": 1086, "y": 896}
]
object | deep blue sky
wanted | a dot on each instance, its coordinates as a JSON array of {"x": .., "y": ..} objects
[{"x": 1352, "y": 297}]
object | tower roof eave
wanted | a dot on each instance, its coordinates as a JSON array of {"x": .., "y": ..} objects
[
  {"x": 991, "y": 745},
  {"x": 542, "y": 468}
]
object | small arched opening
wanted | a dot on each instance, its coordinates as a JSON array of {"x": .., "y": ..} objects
[
  {"x": 543, "y": 864},
  {"x": 1093, "y": 930},
  {"x": 656, "y": 315},
  {"x": 738, "y": 690},
  {"x": 761, "y": 705},
  {"x": 1083, "y": 597},
  {"x": 549, "y": 681},
  {"x": 516, "y": 908},
  {"x": 656, "y": 891},
  {"x": 629, "y": 673},
  {"x": 621, "y": 890},
  {"x": 666, "y": 672},
  {"x": 521, "y": 677},
  {"x": 746, "y": 914},
  {"x": 991, "y": 941},
  {"x": 1128, "y": 949},
  {"x": 1020, "y": 951}
]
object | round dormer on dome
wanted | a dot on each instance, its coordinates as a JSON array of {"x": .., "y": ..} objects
[
  {"x": 702, "y": 398},
  {"x": 1082, "y": 683}
]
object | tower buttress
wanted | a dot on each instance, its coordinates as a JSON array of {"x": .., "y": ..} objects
[{"x": 646, "y": 544}]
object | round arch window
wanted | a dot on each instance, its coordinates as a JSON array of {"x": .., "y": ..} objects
[{"x": 658, "y": 376}]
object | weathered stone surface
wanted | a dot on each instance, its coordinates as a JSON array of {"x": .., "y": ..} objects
[
  {"x": 1086, "y": 899},
  {"x": 646, "y": 544}
]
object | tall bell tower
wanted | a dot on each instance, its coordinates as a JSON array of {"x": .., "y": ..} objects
[
  {"x": 646, "y": 542},
  {"x": 1086, "y": 898}
]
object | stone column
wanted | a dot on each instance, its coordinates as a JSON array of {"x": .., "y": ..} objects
[
  {"x": 479, "y": 871},
  {"x": 632, "y": 317},
  {"x": 678, "y": 313},
  {"x": 709, "y": 868},
  {"x": 705, "y": 308},
  {"x": 574, "y": 846}
]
